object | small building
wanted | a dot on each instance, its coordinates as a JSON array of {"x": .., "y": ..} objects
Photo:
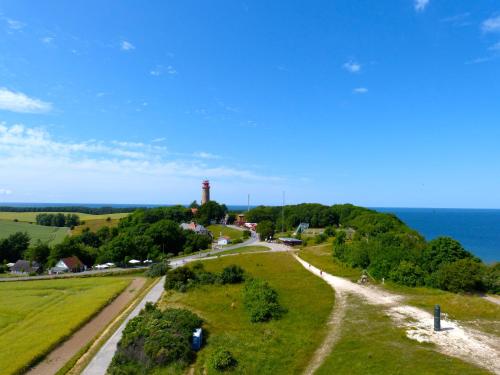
[
  {"x": 224, "y": 240},
  {"x": 25, "y": 267},
  {"x": 197, "y": 228},
  {"x": 70, "y": 264},
  {"x": 240, "y": 219},
  {"x": 290, "y": 241},
  {"x": 197, "y": 339}
]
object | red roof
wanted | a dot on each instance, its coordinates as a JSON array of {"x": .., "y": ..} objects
[{"x": 72, "y": 262}]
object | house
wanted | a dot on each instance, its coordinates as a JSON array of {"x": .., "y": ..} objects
[
  {"x": 25, "y": 267},
  {"x": 224, "y": 240},
  {"x": 197, "y": 228},
  {"x": 71, "y": 264},
  {"x": 290, "y": 241}
]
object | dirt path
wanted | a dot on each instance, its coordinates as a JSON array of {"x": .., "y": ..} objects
[
  {"x": 333, "y": 325},
  {"x": 63, "y": 353},
  {"x": 454, "y": 340}
]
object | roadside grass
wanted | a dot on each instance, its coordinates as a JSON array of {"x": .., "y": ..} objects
[
  {"x": 94, "y": 225},
  {"x": 244, "y": 249},
  {"x": 283, "y": 346},
  {"x": 470, "y": 310},
  {"x": 51, "y": 235},
  {"x": 36, "y": 316},
  {"x": 321, "y": 257},
  {"x": 232, "y": 233},
  {"x": 30, "y": 217},
  {"x": 371, "y": 344}
]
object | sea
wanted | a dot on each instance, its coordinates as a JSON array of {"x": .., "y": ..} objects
[{"x": 478, "y": 230}]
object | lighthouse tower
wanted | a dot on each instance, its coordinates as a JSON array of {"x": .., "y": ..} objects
[{"x": 205, "y": 192}]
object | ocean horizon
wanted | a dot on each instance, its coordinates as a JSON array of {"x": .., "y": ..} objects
[{"x": 477, "y": 229}]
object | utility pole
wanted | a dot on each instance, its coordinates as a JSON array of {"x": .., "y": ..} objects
[
  {"x": 283, "y": 214},
  {"x": 248, "y": 203}
]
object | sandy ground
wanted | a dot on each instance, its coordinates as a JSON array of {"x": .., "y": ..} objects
[
  {"x": 63, "y": 353},
  {"x": 454, "y": 340}
]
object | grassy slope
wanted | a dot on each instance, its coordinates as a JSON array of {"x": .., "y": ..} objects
[
  {"x": 36, "y": 315},
  {"x": 471, "y": 310},
  {"x": 244, "y": 249},
  {"x": 94, "y": 225},
  {"x": 31, "y": 216},
  {"x": 278, "y": 347},
  {"x": 226, "y": 231},
  {"x": 371, "y": 344},
  {"x": 52, "y": 235}
]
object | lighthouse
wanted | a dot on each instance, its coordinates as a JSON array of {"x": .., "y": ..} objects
[{"x": 205, "y": 192}]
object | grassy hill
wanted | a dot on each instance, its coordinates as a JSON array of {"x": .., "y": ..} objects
[
  {"x": 30, "y": 217},
  {"x": 52, "y": 235},
  {"x": 232, "y": 233}
]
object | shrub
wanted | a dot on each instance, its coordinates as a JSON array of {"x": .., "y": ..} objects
[
  {"x": 179, "y": 279},
  {"x": 232, "y": 274},
  {"x": 158, "y": 269},
  {"x": 237, "y": 241},
  {"x": 155, "y": 338},
  {"x": 222, "y": 360},
  {"x": 464, "y": 275},
  {"x": 261, "y": 301},
  {"x": 408, "y": 274},
  {"x": 491, "y": 278},
  {"x": 246, "y": 234}
]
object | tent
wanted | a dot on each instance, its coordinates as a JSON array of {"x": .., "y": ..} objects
[{"x": 134, "y": 261}]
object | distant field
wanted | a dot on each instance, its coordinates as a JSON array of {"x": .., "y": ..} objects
[
  {"x": 52, "y": 235},
  {"x": 37, "y": 315},
  {"x": 226, "y": 231},
  {"x": 30, "y": 217},
  {"x": 94, "y": 225},
  {"x": 283, "y": 346}
]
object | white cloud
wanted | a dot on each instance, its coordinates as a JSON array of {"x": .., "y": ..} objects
[
  {"x": 77, "y": 168},
  {"x": 19, "y": 102},
  {"x": 205, "y": 155},
  {"x": 420, "y": 5},
  {"x": 47, "y": 40},
  {"x": 360, "y": 90},
  {"x": 160, "y": 70},
  {"x": 126, "y": 46},
  {"x": 14, "y": 24},
  {"x": 491, "y": 25},
  {"x": 5, "y": 191},
  {"x": 352, "y": 67},
  {"x": 161, "y": 139},
  {"x": 495, "y": 47}
]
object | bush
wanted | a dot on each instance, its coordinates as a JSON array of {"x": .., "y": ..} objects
[
  {"x": 491, "y": 278},
  {"x": 158, "y": 269},
  {"x": 464, "y": 275},
  {"x": 232, "y": 274},
  {"x": 222, "y": 360},
  {"x": 408, "y": 274},
  {"x": 155, "y": 338},
  {"x": 261, "y": 301},
  {"x": 237, "y": 241},
  {"x": 179, "y": 279},
  {"x": 246, "y": 234}
]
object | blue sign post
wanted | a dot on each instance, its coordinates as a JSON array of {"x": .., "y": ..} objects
[{"x": 437, "y": 318}]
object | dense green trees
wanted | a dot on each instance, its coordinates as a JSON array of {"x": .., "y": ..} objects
[
  {"x": 211, "y": 212},
  {"x": 13, "y": 247},
  {"x": 58, "y": 220},
  {"x": 155, "y": 339},
  {"x": 265, "y": 229}
]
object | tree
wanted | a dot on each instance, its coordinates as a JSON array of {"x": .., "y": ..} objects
[
  {"x": 261, "y": 301},
  {"x": 38, "y": 253},
  {"x": 463, "y": 275},
  {"x": 167, "y": 235},
  {"x": 211, "y": 212},
  {"x": 13, "y": 247},
  {"x": 265, "y": 229},
  {"x": 442, "y": 250}
]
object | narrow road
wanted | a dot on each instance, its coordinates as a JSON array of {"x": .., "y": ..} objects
[
  {"x": 454, "y": 340},
  {"x": 62, "y": 354},
  {"x": 102, "y": 359}
]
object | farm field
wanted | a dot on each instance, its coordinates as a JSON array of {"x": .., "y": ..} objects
[
  {"x": 40, "y": 314},
  {"x": 283, "y": 346},
  {"x": 30, "y": 217},
  {"x": 472, "y": 310},
  {"x": 226, "y": 231},
  {"x": 52, "y": 235},
  {"x": 369, "y": 343}
]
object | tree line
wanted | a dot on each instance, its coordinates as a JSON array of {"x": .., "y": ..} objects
[
  {"x": 58, "y": 220},
  {"x": 152, "y": 233},
  {"x": 80, "y": 209}
]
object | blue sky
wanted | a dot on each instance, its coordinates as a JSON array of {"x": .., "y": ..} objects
[{"x": 374, "y": 103}]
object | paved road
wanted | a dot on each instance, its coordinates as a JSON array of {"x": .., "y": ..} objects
[{"x": 102, "y": 359}]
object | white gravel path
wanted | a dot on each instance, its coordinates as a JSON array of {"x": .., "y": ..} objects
[{"x": 454, "y": 340}]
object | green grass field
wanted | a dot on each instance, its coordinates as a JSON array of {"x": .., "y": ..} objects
[
  {"x": 30, "y": 217},
  {"x": 369, "y": 343},
  {"x": 226, "y": 231},
  {"x": 244, "y": 249},
  {"x": 94, "y": 225},
  {"x": 284, "y": 346},
  {"x": 52, "y": 235},
  {"x": 36, "y": 315}
]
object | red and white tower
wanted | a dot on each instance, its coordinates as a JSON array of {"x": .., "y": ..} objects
[{"x": 205, "y": 192}]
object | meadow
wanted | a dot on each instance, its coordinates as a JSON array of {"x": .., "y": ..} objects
[
  {"x": 30, "y": 217},
  {"x": 35, "y": 316},
  {"x": 94, "y": 225},
  {"x": 244, "y": 249},
  {"x": 283, "y": 346},
  {"x": 232, "y": 233},
  {"x": 51, "y": 235}
]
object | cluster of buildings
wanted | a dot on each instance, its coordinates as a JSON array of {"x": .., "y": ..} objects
[{"x": 65, "y": 265}]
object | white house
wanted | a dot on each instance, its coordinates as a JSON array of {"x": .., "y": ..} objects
[
  {"x": 71, "y": 264},
  {"x": 224, "y": 240}
]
